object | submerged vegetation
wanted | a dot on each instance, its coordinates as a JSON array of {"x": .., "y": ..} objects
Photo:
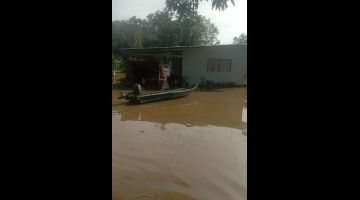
[{"x": 209, "y": 84}]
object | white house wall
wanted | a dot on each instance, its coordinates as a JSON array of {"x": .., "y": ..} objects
[{"x": 194, "y": 64}]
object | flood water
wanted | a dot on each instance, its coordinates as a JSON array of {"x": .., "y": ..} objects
[{"x": 193, "y": 147}]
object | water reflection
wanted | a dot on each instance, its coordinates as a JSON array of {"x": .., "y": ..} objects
[
  {"x": 187, "y": 162},
  {"x": 226, "y": 108},
  {"x": 189, "y": 148}
]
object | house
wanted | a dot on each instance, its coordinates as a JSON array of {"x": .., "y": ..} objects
[{"x": 216, "y": 63}]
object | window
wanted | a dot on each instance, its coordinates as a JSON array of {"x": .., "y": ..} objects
[
  {"x": 212, "y": 65},
  {"x": 225, "y": 65},
  {"x": 219, "y": 65}
]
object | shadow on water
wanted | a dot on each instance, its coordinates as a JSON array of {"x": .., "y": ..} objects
[
  {"x": 210, "y": 90},
  {"x": 158, "y": 101}
]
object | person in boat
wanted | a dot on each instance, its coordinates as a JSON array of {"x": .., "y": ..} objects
[
  {"x": 136, "y": 91},
  {"x": 143, "y": 81},
  {"x": 164, "y": 85}
]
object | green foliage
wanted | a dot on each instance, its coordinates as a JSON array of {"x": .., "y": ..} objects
[
  {"x": 177, "y": 25},
  {"x": 209, "y": 84},
  {"x": 242, "y": 39},
  {"x": 118, "y": 63},
  {"x": 188, "y": 8},
  {"x": 129, "y": 33},
  {"x": 184, "y": 82},
  {"x": 162, "y": 29}
]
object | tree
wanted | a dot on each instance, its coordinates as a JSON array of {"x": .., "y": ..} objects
[
  {"x": 162, "y": 29},
  {"x": 210, "y": 32},
  {"x": 242, "y": 39},
  {"x": 128, "y": 33},
  {"x": 199, "y": 31},
  {"x": 187, "y": 8}
]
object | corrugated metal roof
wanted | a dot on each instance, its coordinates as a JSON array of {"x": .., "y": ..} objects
[
  {"x": 181, "y": 47},
  {"x": 168, "y": 51}
]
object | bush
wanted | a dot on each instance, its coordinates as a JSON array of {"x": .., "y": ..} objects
[{"x": 184, "y": 81}]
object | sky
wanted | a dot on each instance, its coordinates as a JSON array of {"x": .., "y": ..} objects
[{"x": 230, "y": 22}]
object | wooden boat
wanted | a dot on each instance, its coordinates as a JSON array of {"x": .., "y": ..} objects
[{"x": 161, "y": 95}]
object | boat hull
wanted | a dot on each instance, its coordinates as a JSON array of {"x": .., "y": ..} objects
[{"x": 159, "y": 96}]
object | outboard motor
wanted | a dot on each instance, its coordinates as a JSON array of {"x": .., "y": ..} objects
[{"x": 136, "y": 91}]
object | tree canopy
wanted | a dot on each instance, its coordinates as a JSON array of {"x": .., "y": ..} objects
[
  {"x": 178, "y": 24},
  {"x": 187, "y": 8},
  {"x": 242, "y": 39},
  {"x": 162, "y": 29}
]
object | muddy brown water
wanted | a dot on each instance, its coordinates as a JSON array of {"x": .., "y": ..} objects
[{"x": 188, "y": 148}]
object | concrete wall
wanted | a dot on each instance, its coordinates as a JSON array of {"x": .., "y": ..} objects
[{"x": 194, "y": 64}]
